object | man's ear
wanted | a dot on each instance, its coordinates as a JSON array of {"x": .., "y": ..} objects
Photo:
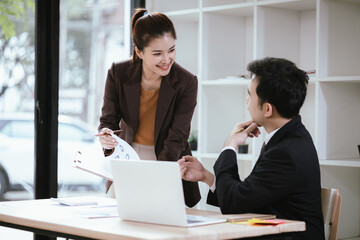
[
  {"x": 138, "y": 52},
  {"x": 268, "y": 109}
]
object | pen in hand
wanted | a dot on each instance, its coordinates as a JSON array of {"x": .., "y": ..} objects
[
  {"x": 238, "y": 130},
  {"x": 102, "y": 133}
]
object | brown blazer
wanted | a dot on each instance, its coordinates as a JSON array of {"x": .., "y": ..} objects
[{"x": 176, "y": 103}]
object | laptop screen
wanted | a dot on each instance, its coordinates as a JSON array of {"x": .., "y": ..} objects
[{"x": 149, "y": 191}]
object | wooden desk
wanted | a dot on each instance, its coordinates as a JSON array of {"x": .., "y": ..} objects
[{"x": 47, "y": 217}]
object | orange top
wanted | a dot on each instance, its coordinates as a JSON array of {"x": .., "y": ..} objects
[{"x": 148, "y": 103}]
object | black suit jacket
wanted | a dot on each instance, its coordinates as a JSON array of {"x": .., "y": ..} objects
[
  {"x": 175, "y": 108},
  {"x": 285, "y": 181}
]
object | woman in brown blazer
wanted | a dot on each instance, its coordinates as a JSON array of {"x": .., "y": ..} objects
[{"x": 151, "y": 98}]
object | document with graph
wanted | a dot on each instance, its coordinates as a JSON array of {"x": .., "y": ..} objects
[{"x": 101, "y": 165}]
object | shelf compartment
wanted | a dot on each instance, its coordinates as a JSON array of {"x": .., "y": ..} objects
[
  {"x": 222, "y": 3},
  {"x": 308, "y": 111},
  {"x": 222, "y": 108},
  {"x": 194, "y": 127},
  {"x": 341, "y": 163},
  {"x": 347, "y": 180},
  {"x": 187, "y": 43},
  {"x": 348, "y": 79},
  {"x": 339, "y": 32},
  {"x": 227, "y": 82},
  {"x": 339, "y": 114},
  {"x": 298, "y": 5},
  {"x": 287, "y": 33},
  {"x": 238, "y": 9},
  {"x": 190, "y": 14},
  {"x": 166, "y": 6},
  {"x": 227, "y": 43}
]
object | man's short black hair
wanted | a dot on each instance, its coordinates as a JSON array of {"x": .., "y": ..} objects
[{"x": 281, "y": 84}]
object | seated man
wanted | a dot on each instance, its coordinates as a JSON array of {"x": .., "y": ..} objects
[{"x": 285, "y": 180}]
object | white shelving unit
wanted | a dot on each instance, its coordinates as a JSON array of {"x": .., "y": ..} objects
[{"x": 218, "y": 38}]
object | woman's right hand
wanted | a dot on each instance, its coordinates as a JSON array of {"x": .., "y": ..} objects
[{"x": 105, "y": 138}]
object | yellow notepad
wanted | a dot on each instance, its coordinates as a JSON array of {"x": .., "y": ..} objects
[{"x": 247, "y": 216}]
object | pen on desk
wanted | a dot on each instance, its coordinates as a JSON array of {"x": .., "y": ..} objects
[{"x": 101, "y": 133}]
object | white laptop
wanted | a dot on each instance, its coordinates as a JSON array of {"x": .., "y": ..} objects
[{"x": 152, "y": 192}]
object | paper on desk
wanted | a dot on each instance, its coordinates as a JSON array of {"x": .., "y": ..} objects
[
  {"x": 75, "y": 201},
  {"x": 89, "y": 206},
  {"x": 102, "y": 166},
  {"x": 93, "y": 201}
]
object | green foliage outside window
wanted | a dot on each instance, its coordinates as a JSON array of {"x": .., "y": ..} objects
[{"x": 10, "y": 9}]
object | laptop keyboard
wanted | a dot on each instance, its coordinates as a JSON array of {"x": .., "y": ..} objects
[{"x": 193, "y": 219}]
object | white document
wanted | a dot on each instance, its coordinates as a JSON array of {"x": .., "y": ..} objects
[
  {"x": 75, "y": 201},
  {"x": 101, "y": 166},
  {"x": 123, "y": 150},
  {"x": 90, "y": 207},
  {"x": 86, "y": 201}
]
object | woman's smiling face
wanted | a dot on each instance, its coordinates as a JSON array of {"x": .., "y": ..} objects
[{"x": 159, "y": 56}]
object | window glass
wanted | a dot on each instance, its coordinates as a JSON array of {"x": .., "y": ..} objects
[
  {"x": 70, "y": 132},
  {"x": 19, "y": 129},
  {"x": 91, "y": 38},
  {"x": 17, "y": 85}
]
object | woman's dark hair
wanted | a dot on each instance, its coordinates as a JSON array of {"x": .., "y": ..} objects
[
  {"x": 146, "y": 26},
  {"x": 281, "y": 84}
]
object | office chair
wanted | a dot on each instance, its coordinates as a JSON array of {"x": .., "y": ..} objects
[{"x": 331, "y": 205}]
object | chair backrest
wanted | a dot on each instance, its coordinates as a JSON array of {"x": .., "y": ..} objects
[{"x": 331, "y": 205}]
